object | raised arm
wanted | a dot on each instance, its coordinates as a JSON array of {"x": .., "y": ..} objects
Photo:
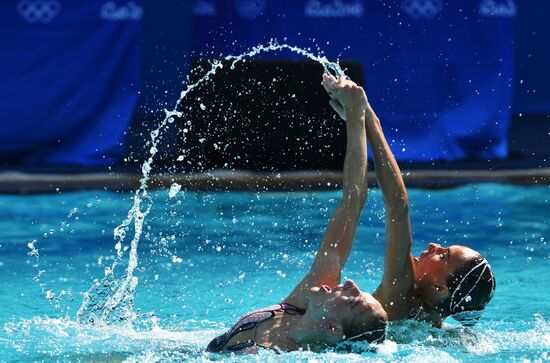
[
  {"x": 398, "y": 265},
  {"x": 349, "y": 101}
]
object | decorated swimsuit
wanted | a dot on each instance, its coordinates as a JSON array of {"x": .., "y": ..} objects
[{"x": 247, "y": 322}]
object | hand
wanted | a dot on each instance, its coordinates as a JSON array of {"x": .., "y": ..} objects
[{"x": 347, "y": 98}]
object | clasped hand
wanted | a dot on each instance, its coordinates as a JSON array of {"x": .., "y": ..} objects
[{"x": 347, "y": 98}]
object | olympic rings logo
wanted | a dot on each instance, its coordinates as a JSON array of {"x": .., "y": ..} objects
[
  {"x": 250, "y": 9},
  {"x": 204, "y": 8},
  {"x": 38, "y": 11},
  {"x": 422, "y": 9}
]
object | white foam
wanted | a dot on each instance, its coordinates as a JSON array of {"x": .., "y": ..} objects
[{"x": 174, "y": 189}]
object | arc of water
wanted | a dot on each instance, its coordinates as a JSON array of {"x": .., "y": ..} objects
[{"x": 136, "y": 214}]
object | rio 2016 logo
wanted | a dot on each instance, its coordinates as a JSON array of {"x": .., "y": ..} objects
[
  {"x": 120, "y": 12},
  {"x": 38, "y": 11},
  {"x": 334, "y": 9},
  {"x": 502, "y": 8},
  {"x": 250, "y": 9}
]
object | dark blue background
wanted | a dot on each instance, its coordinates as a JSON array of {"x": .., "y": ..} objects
[
  {"x": 438, "y": 73},
  {"x": 444, "y": 77},
  {"x": 68, "y": 84}
]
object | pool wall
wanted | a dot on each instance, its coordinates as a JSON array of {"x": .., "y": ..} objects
[{"x": 26, "y": 183}]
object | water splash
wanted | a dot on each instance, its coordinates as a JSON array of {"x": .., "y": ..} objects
[
  {"x": 49, "y": 294},
  {"x": 110, "y": 301},
  {"x": 174, "y": 189}
]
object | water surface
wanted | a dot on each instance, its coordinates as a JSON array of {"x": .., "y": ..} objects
[{"x": 206, "y": 258}]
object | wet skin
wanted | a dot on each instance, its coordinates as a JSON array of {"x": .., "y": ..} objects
[
  {"x": 433, "y": 266},
  {"x": 346, "y": 302},
  {"x": 327, "y": 307}
]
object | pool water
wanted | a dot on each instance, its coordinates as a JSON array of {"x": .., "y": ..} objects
[{"x": 207, "y": 257}]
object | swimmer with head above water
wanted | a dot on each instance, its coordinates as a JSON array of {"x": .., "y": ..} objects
[
  {"x": 451, "y": 281},
  {"x": 320, "y": 312}
]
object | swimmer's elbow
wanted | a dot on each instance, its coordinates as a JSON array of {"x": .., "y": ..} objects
[
  {"x": 399, "y": 204},
  {"x": 354, "y": 202}
]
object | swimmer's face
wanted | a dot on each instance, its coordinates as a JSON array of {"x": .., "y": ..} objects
[
  {"x": 344, "y": 303},
  {"x": 434, "y": 265}
]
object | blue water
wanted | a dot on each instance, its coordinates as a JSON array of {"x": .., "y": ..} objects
[{"x": 206, "y": 258}]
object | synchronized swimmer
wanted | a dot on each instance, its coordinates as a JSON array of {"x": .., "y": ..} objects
[{"x": 320, "y": 312}]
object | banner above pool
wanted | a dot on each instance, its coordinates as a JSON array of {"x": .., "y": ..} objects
[
  {"x": 69, "y": 80},
  {"x": 438, "y": 73}
]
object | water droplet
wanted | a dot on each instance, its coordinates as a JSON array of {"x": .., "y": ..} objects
[{"x": 174, "y": 189}]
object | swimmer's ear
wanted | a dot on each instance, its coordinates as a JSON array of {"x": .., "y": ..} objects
[
  {"x": 440, "y": 290},
  {"x": 333, "y": 328}
]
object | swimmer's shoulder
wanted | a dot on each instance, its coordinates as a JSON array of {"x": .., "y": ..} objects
[{"x": 399, "y": 305}]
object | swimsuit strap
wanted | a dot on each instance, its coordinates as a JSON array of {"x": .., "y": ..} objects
[
  {"x": 285, "y": 309},
  {"x": 251, "y": 321},
  {"x": 292, "y": 309},
  {"x": 416, "y": 312}
]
